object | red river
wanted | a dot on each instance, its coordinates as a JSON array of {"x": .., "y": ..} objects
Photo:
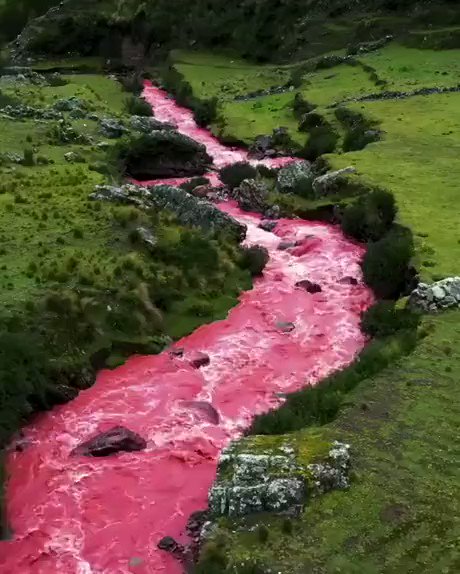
[{"x": 77, "y": 515}]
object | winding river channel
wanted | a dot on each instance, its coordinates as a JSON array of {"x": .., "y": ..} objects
[{"x": 77, "y": 515}]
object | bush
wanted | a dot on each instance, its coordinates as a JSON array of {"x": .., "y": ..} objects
[
  {"x": 138, "y": 107},
  {"x": 233, "y": 175},
  {"x": 255, "y": 259},
  {"x": 384, "y": 319},
  {"x": 386, "y": 263},
  {"x": 132, "y": 83},
  {"x": 311, "y": 120},
  {"x": 370, "y": 217},
  {"x": 28, "y": 157},
  {"x": 323, "y": 139},
  {"x": 205, "y": 111},
  {"x": 212, "y": 560},
  {"x": 360, "y": 130},
  {"x": 301, "y": 106},
  {"x": 263, "y": 533}
]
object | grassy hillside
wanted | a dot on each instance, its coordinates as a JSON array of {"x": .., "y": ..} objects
[{"x": 77, "y": 286}]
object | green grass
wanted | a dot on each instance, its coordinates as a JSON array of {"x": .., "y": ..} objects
[
  {"x": 225, "y": 76},
  {"x": 401, "y": 512},
  {"x": 409, "y": 68},
  {"x": 244, "y": 121},
  {"x": 416, "y": 160},
  {"x": 325, "y": 87}
]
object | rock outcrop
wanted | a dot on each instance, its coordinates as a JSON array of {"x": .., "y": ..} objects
[
  {"x": 250, "y": 483},
  {"x": 332, "y": 182},
  {"x": 112, "y": 128},
  {"x": 188, "y": 209},
  {"x": 439, "y": 296},
  {"x": 115, "y": 440},
  {"x": 274, "y": 481},
  {"x": 292, "y": 175},
  {"x": 147, "y": 124}
]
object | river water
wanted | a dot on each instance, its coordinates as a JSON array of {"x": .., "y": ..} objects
[{"x": 74, "y": 515}]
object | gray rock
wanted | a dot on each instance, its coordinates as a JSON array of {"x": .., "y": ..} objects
[
  {"x": 267, "y": 225},
  {"x": 331, "y": 183},
  {"x": 444, "y": 294},
  {"x": 74, "y": 157},
  {"x": 147, "y": 237},
  {"x": 333, "y": 474},
  {"x": 188, "y": 209},
  {"x": 69, "y": 104},
  {"x": 147, "y": 124},
  {"x": 110, "y": 442},
  {"x": 309, "y": 286},
  {"x": 273, "y": 212},
  {"x": 112, "y": 128},
  {"x": 292, "y": 175},
  {"x": 285, "y": 326},
  {"x": 251, "y": 195}
]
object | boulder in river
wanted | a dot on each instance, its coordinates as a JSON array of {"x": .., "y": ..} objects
[
  {"x": 251, "y": 195},
  {"x": 348, "y": 280},
  {"x": 309, "y": 286},
  {"x": 206, "y": 409},
  {"x": 267, "y": 225},
  {"x": 199, "y": 359},
  {"x": 117, "y": 439}
]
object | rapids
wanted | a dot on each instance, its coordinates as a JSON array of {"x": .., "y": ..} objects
[{"x": 74, "y": 515}]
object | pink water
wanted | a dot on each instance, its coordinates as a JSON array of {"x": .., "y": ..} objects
[{"x": 74, "y": 515}]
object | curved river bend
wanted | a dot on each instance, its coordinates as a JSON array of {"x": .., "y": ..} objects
[{"x": 75, "y": 515}]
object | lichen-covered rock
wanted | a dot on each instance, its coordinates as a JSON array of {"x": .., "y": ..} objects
[
  {"x": 251, "y": 195},
  {"x": 250, "y": 483},
  {"x": 23, "y": 112},
  {"x": 291, "y": 176},
  {"x": 74, "y": 157},
  {"x": 332, "y": 182},
  {"x": 112, "y": 128},
  {"x": 274, "y": 481},
  {"x": 69, "y": 104},
  {"x": 444, "y": 294},
  {"x": 333, "y": 473}
]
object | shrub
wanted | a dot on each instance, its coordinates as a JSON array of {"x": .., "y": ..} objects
[
  {"x": 137, "y": 106},
  {"x": 233, "y": 175},
  {"x": 360, "y": 130},
  {"x": 301, "y": 106},
  {"x": 311, "y": 120},
  {"x": 386, "y": 263},
  {"x": 212, "y": 560},
  {"x": 28, "y": 157},
  {"x": 132, "y": 83},
  {"x": 287, "y": 526},
  {"x": 205, "y": 111},
  {"x": 255, "y": 259},
  {"x": 370, "y": 217},
  {"x": 384, "y": 319},
  {"x": 322, "y": 139},
  {"x": 263, "y": 533}
]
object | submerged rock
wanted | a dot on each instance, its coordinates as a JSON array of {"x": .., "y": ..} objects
[
  {"x": 115, "y": 440},
  {"x": 199, "y": 360},
  {"x": 285, "y": 326},
  {"x": 205, "y": 408},
  {"x": 267, "y": 225},
  {"x": 348, "y": 280}
]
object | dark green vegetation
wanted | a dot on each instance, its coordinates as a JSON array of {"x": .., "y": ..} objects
[{"x": 79, "y": 289}]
